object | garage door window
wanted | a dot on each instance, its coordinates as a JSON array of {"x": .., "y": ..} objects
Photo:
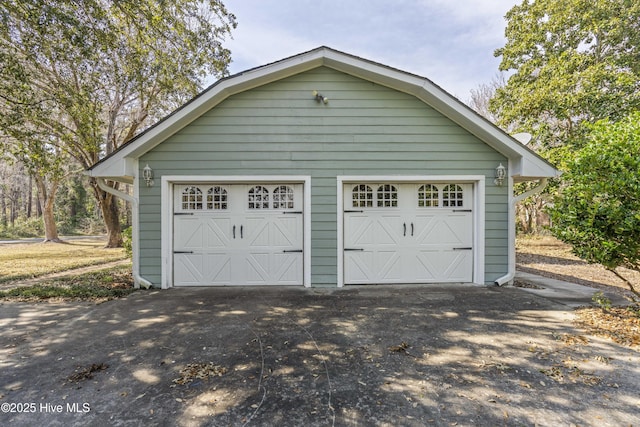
[
  {"x": 217, "y": 198},
  {"x": 452, "y": 196},
  {"x": 283, "y": 197},
  {"x": 258, "y": 197},
  {"x": 387, "y": 196},
  {"x": 191, "y": 198},
  {"x": 449, "y": 196},
  {"x": 428, "y": 196},
  {"x": 362, "y": 196}
]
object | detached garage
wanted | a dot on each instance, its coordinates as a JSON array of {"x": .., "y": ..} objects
[{"x": 323, "y": 169}]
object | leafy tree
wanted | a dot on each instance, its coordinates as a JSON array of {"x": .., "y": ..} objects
[
  {"x": 598, "y": 210},
  {"x": 573, "y": 62},
  {"x": 527, "y": 211},
  {"x": 16, "y": 194},
  {"x": 88, "y": 76},
  {"x": 38, "y": 151}
]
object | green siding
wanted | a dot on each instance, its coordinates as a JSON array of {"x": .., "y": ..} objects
[{"x": 366, "y": 129}]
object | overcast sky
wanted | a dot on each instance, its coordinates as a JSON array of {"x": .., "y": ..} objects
[{"x": 450, "y": 42}]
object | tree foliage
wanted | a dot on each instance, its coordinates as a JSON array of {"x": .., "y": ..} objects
[
  {"x": 573, "y": 62},
  {"x": 598, "y": 210},
  {"x": 85, "y": 77}
]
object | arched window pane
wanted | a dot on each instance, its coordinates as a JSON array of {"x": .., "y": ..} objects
[
  {"x": 452, "y": 196},
  {"x": 428, "y": 196},
  {"x": 191, "y": 198},
  {"x": 217, "y": 198},
  {"x": 362, "y": 196},
  {"x": 258, "y": 197},
  {"x": 283, "y": 197},
  {"x": 387, "y": 196}
]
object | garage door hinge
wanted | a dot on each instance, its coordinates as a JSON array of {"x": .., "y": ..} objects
[
  {"x": 462, "y": 210},
  {"x": 182, "y": 252},
  {"x": 183, "y": 213},
  {"x": 349, "y": 211},
  {"x": 292, "y": 212},
  {"x": 353, "y": 249},
  {"x": 289, "y": 251},
  {"x": 463, "y": 249}
]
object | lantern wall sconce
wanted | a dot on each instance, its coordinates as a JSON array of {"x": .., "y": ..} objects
[
  {"x": 147, "y": 175},
  {"x": 320, "y": 98},
  {"x": 501, "y": 174}
]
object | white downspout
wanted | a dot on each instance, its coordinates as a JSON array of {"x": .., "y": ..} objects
[
  {"x": 512, "y": 238},
  {"x": 138, "y": 280}
]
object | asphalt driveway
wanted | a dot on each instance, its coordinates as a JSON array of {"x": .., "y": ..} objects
[{"x": 359, "y": 356}]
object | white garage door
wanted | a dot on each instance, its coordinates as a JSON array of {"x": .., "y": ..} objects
[
  {"x": 408, "y": 233},
  {"x": 238, "y": 234}
]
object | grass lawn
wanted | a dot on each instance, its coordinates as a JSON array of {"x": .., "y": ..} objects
[
  {"x": 29, "y": 260},
  {"x": 98, "y": 286}
]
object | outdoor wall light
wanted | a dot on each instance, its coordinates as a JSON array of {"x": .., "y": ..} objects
[
  {"x": 147, "y": 175},
  {"x": 320, "y": 98},
  {"x": 501, "y": 174}
]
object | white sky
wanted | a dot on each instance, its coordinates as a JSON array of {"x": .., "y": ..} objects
[{"x": 450, "y": 42}]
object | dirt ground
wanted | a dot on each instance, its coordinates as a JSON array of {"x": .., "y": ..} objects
[{"x": 549, "y": 257}]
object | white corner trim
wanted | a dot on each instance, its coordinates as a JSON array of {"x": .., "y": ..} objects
[
  {"x": 166, "y": 214},
  {"x": 138, "y": 280},
  {"x": 478, "y": 182}
]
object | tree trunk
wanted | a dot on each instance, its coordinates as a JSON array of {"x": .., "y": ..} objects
[
  {"x": 627, "y": 282},
  {"x": 110, "y": 214},
  {"x": 30, "y": 197},
  {"x": 3, "y": 209},
  {"x": 47, "y": 199}
]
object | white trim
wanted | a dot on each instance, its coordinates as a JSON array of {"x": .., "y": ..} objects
[
  {"x": 478, "y": 182},
  {"x": 166, "y": 214},
  {"x": 135, "y": 230},
  {"x": 512, "y": 228}
]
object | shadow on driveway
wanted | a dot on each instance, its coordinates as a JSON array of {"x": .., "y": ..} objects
[{"x": 358, "y": 356}]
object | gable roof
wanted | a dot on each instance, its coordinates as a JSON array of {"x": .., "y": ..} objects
[{"x": 525, "y": 164}]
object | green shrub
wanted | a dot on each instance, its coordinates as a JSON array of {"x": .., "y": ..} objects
[{"x": 598, "y": 209}]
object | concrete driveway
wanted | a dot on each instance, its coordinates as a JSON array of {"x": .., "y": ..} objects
[{"x": 360, "y": 356}]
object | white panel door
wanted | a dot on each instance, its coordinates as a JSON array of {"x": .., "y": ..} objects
[
  {"x": 273, "y": 248},
  {"x": 442, "y": 248},
  {"x": 238, "y": 234},
  {"x": 373, "y": 247},
  {"x": 408, "y": 233},
  {"x": 202, "y": 253}
]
